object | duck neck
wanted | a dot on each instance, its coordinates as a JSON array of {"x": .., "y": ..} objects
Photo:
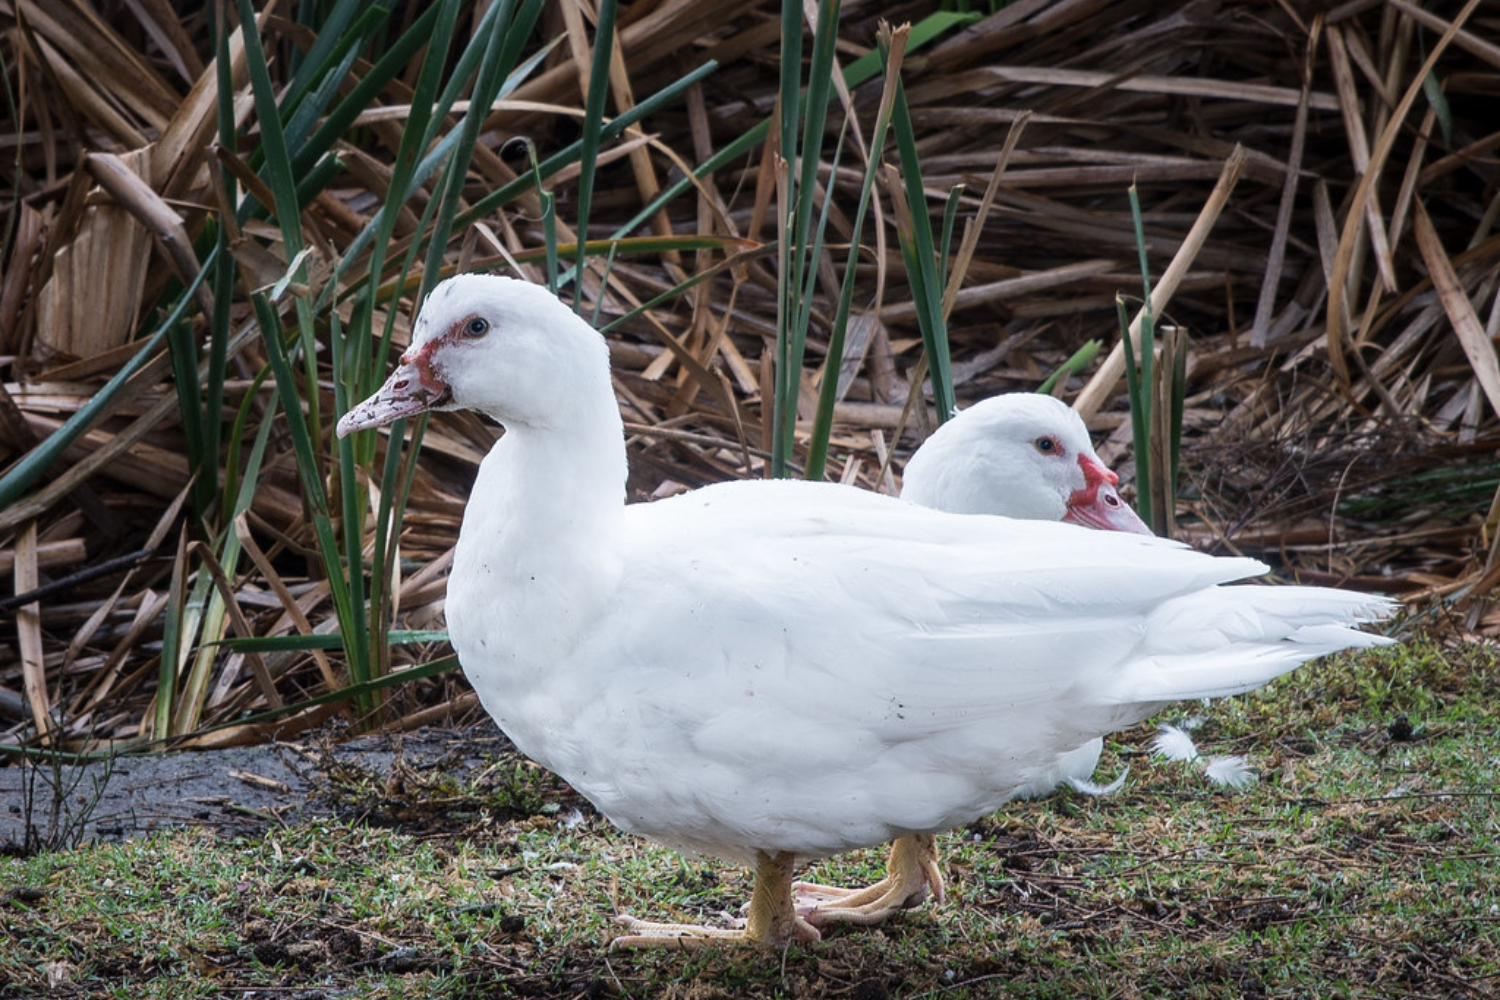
[
  {"x": 537, "y": 558},
  {"x": 551, "y": 491}
]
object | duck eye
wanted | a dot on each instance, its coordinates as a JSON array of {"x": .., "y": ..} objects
[
  {"x": 1047, "y": 445},
  {"x": 477, "y": 327}
]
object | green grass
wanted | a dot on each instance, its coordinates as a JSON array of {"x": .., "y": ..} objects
[{"x": 1359, "y": 865}]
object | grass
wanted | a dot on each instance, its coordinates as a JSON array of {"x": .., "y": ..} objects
[{"x": 1361, "y": 864}]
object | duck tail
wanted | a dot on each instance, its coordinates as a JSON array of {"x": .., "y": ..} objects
[{"x": 1228, "y": 640}]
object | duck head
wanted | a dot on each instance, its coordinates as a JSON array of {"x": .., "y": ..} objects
[
  {"x": 1021, "y": 455},
  {"x": 499, "y": 345}
]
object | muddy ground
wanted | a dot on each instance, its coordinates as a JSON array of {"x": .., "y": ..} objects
[{"x": 236, "y": 790}]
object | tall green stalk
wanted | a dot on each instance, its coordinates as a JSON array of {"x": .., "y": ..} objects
[
  {"x": 817, "y": 452},
  {"x": 1156, "y": 400},
  {"x": 593, "y": 117},
  {"x": 914, "y": 232},
  {"x": 799, "y": 245}
]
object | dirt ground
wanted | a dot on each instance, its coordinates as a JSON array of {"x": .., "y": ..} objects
[{"x": 236, "y": 790}]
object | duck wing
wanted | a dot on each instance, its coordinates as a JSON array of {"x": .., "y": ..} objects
[{"x": 808, "y": 668}]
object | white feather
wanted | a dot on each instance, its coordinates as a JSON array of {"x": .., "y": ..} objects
[
  {"x": 1087, "y": 787},
  {"x": 1173, "y": 743},
  {"x": 1231, "y": 772}
]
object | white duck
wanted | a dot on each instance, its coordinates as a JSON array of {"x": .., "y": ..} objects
[
  {"x": 1021, "y": 455},
  {"x": 769, "y": 672}
]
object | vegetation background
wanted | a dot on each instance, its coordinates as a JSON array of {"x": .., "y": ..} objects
[{"x": 215, "y": 239}]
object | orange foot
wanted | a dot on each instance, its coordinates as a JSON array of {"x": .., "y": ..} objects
[
  {"x": 773, "y": 919},
  {"x": 911, "y": 876}
]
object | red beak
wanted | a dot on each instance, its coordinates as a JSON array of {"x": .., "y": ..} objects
[
  {"x": 411, "y": 389},
  {"x": 1098, "y": 504}
]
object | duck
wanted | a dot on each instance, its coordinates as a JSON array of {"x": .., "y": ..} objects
[
  {"x": 1022, "y": 455},
  {"x": 771, "y": 672},
  {"x": 1018, "y": 454}
]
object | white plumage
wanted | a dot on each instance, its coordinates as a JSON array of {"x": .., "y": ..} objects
[
  {"x": 774, "y": 671},
  {"x": 1028, "y": 456}
]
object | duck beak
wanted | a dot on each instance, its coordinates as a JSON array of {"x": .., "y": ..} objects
[
  {"x": 412, "y": 388},
  {"x": 1098, "y": 504}
]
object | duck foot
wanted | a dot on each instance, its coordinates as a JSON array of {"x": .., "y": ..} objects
[
  {"x": 690, "y": 937},
  {"x": 773, "y": 919},
  {"x": 911, "y": 875},
  {"x": 650, "y": 934}
]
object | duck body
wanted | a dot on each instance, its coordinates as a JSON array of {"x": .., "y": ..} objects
[
  {"x": 773, "y": 671},
  {"x": 801, "y": 668}
]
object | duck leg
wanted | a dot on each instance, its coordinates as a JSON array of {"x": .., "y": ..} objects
[
  {"x": 772, "y": 919},
  {"x": 911, "y": 875}
]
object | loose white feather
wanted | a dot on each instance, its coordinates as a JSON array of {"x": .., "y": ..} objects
[
  {"x": 1173, "y": 744},
  {"x": 1231, "y": 772},
  {"x": 1087, "y": 787}
]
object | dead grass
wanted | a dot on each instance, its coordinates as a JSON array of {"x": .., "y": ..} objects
[{"x": 1342, "y": 383}]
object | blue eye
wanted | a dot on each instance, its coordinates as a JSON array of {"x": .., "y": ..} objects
[{"x": 477, "y": 327}]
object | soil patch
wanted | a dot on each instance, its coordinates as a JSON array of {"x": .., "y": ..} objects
[{"x": 237, "y": 790}]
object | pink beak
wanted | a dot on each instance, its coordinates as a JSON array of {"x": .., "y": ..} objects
[
  {"x": 411, "y": 389},
  {"x": 1098, "y": 504}
]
